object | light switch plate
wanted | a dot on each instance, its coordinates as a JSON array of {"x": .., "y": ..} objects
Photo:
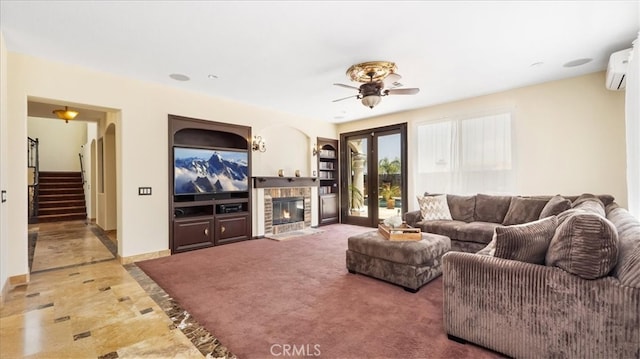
[
  {"x": 144, "y": 191},
  {"x": 4, "y": 196}
]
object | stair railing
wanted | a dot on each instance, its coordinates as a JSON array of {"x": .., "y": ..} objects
[
  {"x": 33, "y": 163},
  {"x": 81, "y": 167}
]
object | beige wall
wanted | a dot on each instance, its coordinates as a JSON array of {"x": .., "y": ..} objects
[
  {"x": 59, "y": 142},
  {"x": 285, "y": 140},
  {"x": 569, "y": 138},
  {"x": 141, "y": 142},
  {"x": 4, "y": 168},
  {"x": 568, "y": 135}
]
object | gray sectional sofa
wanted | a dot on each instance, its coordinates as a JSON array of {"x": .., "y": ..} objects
[
  {"x": 474, "y": 218},
  {"x": 565, "y": 285}
]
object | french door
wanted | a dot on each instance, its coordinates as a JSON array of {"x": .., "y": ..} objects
[{"x": 374, "y": 174}]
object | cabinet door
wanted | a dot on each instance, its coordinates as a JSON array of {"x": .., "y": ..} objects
[
  {"x": 231, "y": 229},
  {"x": 329, "y": 209},
  {"x": 191, "y": 234}
]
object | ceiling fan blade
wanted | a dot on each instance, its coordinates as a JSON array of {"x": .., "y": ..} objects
[
  {"x": 391, "y": 79},
  {"x": 347, "y": 86},
  {"x": 344, "y": 98},
  {"x": 409, "y": 91}
]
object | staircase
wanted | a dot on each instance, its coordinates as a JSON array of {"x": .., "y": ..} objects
[{"x": 61, "y": 197}]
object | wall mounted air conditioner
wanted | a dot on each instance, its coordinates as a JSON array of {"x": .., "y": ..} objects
[{"x": 617, "y": 70}]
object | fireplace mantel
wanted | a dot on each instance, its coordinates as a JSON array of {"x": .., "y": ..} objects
[{"x": 279, "y": 182}]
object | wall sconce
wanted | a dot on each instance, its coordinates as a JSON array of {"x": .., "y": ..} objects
[{"x": 258, "y": 144}]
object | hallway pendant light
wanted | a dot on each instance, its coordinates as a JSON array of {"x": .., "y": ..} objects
[{"x": 66, "y": 114}]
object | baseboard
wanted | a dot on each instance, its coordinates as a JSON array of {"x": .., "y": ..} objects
[
  {"x": 143, "y": 257},
  {"x": 11, "y": 283}
]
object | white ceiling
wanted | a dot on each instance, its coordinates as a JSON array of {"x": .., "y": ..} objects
[{"x": 286, "y": 55}]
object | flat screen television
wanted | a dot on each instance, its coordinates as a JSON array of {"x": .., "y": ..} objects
[{"x": 209, "y": 171}]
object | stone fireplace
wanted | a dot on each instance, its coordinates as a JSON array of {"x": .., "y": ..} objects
[
  {"x": 287, "y": 210},
  {"x": 284, "y": 204},
  {"x": 295, "y": 201}
]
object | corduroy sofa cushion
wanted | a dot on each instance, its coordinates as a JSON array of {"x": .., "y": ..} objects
[
  {"x": 526, "y": 242},
  {"x": 628, "y": 268},
  {"x": 585, "y": 244},
  {"x": 589, "y": 203}
]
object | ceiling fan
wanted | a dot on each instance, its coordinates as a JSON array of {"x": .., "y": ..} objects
[{"x": 379, "y": 79}]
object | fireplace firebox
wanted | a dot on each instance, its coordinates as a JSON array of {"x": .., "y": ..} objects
[{"x": 288, "y": 210}]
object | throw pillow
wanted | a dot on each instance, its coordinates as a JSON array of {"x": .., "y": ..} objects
[
  {"x": 526, "y": 242},
  {"x": 461, "y": 207},
  {"x": 627, "y": 270},
  {"x": 491, "y": 208},
  {"x": 490, "y": 249},
  {"x": 590, "y": 204},
  {"x": 556, "y": 205},
  {"x": 523, "y": 210},
  {"x": 434, "y": 207},
  {"x": 586, "y": 245}
]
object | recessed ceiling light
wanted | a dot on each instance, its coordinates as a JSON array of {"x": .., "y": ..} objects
[
  {"x": 179, "y": 77},
  {"x": 212, "y": 76},
  {"x": 578, "y": 62}
]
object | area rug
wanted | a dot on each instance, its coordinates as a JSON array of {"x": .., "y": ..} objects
[
  {"x": 293, "y": 234},
  {"x": 267, "y": 299}
]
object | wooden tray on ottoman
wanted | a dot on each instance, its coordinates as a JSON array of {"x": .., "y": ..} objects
[{"x": 402, "y": 233}]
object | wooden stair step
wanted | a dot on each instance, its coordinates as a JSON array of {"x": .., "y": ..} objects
[
  {"x": 54, "y": 191},
  {"x": 60, "y": 184},
  {"x": 59, "y": 174},
  {"x": 61, "y": 210},
  {"x": 54, "y": 204},
  {"x": 62, "y": 217},
  {"x": 60, "y": 197}
]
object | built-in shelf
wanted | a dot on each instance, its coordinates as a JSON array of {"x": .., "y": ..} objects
[
  {"x": 200, "y": 221},
  {"x": 328, "y": 176}
]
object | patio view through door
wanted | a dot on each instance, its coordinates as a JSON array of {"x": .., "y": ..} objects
[{"x": 373, "y": 173}]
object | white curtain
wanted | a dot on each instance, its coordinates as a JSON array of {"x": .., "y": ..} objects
[
  {"x": 466, "y": 156},
  {"x": 632, "y": 118}
]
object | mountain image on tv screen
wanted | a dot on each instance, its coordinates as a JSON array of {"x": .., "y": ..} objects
[{"x": 210, "y": 171}]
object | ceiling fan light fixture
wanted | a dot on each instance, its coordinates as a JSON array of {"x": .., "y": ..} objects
[
  {"x": 65, "y": 114},
  {"x": 371, "y": 101},
  {"x": 371, "y": 71}
]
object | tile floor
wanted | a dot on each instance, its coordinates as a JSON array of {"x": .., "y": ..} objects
[{"x": 81, "y": 303}]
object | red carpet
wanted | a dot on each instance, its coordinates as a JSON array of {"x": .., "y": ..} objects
[{"x": 263, "y": 298}]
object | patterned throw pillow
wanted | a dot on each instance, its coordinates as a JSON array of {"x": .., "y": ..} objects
[
  {"x": 526, "y": 242},
  {"x": 434, "y": 208}
]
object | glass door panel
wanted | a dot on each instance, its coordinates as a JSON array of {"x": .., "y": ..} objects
[
  {"x": 358, "y": 197},
  {"x": 373, "y": 175},
  {"x": 389, "y": 184}
]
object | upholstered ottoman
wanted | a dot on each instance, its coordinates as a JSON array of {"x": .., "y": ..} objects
[{"x": 410, "y": 264}]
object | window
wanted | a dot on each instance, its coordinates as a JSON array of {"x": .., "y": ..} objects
[{"x": 466, "y": 156}]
